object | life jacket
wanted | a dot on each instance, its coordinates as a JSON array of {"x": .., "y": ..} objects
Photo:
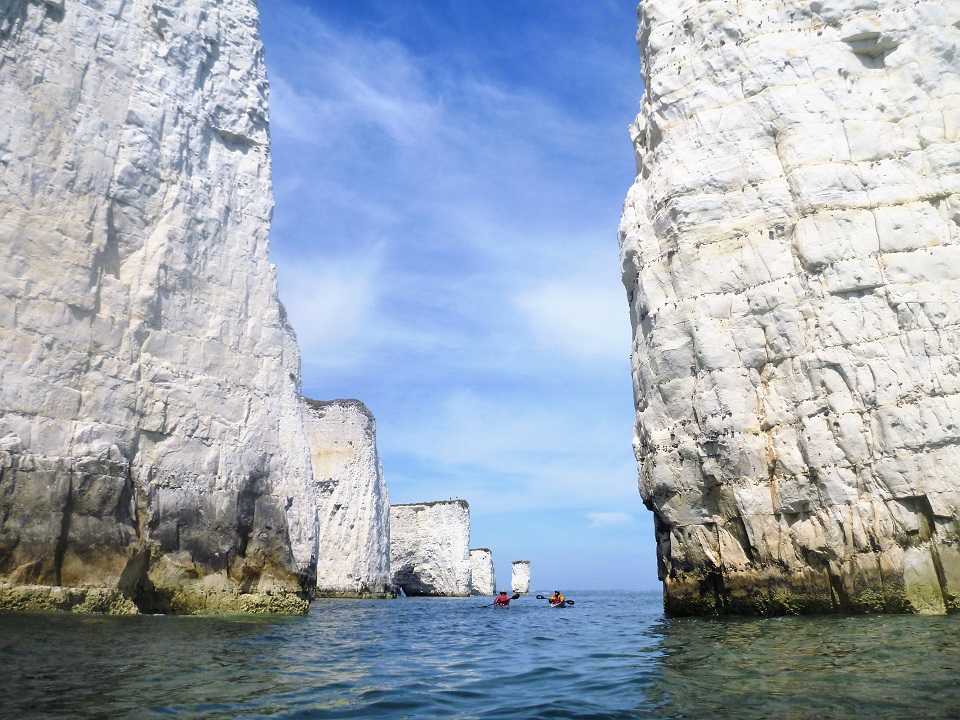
[
  {"x": 556, "y": 599},
  {"x": 502, "y": 600}
]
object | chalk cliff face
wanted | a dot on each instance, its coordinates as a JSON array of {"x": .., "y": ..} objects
[
  {"x": 430, "y": 548},
  {"x": 353, "y": 506},
  {"x": 151, "y": 437},
  {"x": 483, "y": 580},
  {"x": 791, "y": 253},
  {"x": 520, "y": 576}
]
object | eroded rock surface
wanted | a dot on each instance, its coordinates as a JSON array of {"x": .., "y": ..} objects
[
  {"x": 430, "y": 548},
  {"x": 353, "y": 506},
  {"x": 520, "y": 576},
  {"x": 483, "y": 580},
  {"x": 151, "y": 438},
  {"x": 791, "y": 253}
]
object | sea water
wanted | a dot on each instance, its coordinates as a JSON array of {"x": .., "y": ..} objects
[{"x": 611, "y": 655}]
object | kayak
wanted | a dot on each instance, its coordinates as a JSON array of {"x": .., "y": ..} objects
[{"x": 562, "y": 604}]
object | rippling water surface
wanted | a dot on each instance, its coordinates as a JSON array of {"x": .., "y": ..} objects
[{"x": 612, "y": 655}]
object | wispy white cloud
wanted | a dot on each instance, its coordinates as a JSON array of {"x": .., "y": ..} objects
[
  {"x": 344, "y": 83},
  {"x": 512, "y": 453},
  {"x": 576, "y": 318},
  {"x": 466, "y": 428},
  {"x": 335, "y": 304},
  {"x": 605, "y": 519},
  {"x": 465, "y": 197}
]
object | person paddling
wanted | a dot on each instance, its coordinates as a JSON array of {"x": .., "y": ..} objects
[
  {"x": 502, "y": 600},
  {"x": 556, "y": 598}
]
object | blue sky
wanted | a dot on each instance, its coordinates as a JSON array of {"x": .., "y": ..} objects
[{"x": 448, "y": 181}]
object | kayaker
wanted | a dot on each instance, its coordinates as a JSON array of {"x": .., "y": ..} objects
[
  {"x": 502, "y": 600},
  {"x": 556, "y": 598}
]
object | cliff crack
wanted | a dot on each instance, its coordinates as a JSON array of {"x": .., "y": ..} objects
[
  {"x": 61, "y": 549},
  {"x": 928, "y": 532}
]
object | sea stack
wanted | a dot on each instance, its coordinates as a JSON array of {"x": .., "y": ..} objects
[
  {"x": 152, "y": 448},
  {"x": 520, "y": 576},
  {"x": 483, "y": 580},
  {"x": 353, "y": 506},
  {"x": 791, "y": 254},
  {"x": 430, "y": 548}
]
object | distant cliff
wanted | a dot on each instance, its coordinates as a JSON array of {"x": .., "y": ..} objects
[
  {"x": 430, "y": 548},
  {"x": 791, "y": 254},
  {"x": 353, "y": 506},
  {"x": 151, "y": 439},
  {"x": 483, "y": 579},
  {"x": 520, "y": 576}
]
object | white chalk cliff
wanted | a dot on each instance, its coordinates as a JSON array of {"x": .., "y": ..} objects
[
  {"x": 151, "y": 437},
  {"x": 430, "y": 548},
  {"x": 353, "y": 506},
  {"x": 791, "y": 253},
  {"x": 483, "y": 579},
  {"x": 520, "y": 576}
]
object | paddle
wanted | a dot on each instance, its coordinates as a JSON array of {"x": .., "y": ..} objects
[{"x": 541, "y": 597}]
